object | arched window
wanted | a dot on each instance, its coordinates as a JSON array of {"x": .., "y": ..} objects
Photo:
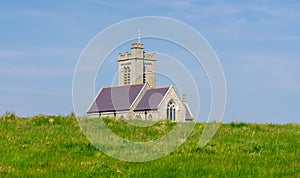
[
  {"x": 171, "y": 113},
  {"x": 126, "y": 75},
  {"x": 138, "y": 117}
]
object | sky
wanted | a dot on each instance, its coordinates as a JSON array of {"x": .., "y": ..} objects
[{"x": 257, "y": 43}]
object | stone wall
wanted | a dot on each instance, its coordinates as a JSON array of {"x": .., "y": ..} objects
[{"x": 140, "y": 63}]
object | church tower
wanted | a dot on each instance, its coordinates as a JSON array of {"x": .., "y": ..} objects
[{"x": 137, "y": 67}]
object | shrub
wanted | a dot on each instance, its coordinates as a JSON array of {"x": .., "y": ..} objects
[{"x": 9, "y": 116}]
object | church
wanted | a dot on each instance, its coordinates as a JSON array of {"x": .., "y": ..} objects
[{"x": 136, "y": 96}]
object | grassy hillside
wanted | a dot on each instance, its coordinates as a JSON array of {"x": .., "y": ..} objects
[{"x": 55, "y": 146}]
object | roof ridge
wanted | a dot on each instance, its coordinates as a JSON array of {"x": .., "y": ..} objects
[
  {"x": 123, "y": 86},
  {"x": 158, "y": 88}
]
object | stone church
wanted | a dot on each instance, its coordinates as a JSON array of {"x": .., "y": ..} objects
[{"x": 136, "y": 96}]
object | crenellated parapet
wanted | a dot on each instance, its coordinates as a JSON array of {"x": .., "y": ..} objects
[
  {"x": 137, "y": 46},
  {"x": 137, "y": 66},
  {"x": 150, "y": 56},
  {"x": 125, "y": 56},
  {"x": 137, "y": 51}
]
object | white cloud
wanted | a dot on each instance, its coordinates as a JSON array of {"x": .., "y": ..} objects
[
  {"x": 271, "y": 71},
  {"x": 38, "y": 63},
  {"x": 38, "y": 52},
  {"x": 12, "y": 54},
  {"x": 34, "y": 72}
]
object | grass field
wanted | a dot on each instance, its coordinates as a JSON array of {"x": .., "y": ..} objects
[{"x": 54, "y": 146}]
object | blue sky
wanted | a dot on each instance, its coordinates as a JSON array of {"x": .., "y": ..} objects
[{"x": 257, "y": 42}]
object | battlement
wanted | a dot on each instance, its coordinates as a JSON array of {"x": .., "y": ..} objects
[
  {"x": 126, "y": 55},
  {"x": 151, "y": 56},
  {"x": 137, "y": 46},
  {"x": 137, "y": 51}
]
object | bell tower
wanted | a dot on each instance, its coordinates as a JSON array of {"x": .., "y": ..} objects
[{"x": 137, "y": 67}]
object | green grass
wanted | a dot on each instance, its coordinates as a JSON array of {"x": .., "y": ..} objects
[{"x": 54, "y": 146}]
